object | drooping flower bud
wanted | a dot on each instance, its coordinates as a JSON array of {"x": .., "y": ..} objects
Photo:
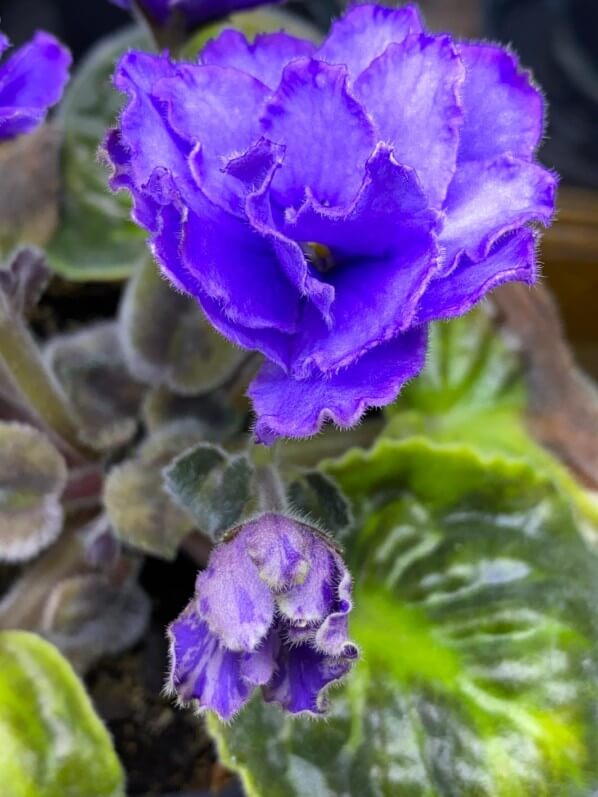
[{"x": 270, "y": 610}]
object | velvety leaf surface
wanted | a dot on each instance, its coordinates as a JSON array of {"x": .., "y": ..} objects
[
  {"x": 472, "y": 390},
  {"x": 88, "y": 616},
  {"x": 32, "y": 477},
  {"x": 95, "y": 238},
  {"x": 168, "y": 340},
  {"x": 138, "y": 506},
  {"x": 475, "y": 612},
  {"x": 52, "y": 742},
  {"x": 91, "y": 370},
  {"x": 213, "y": 486}
]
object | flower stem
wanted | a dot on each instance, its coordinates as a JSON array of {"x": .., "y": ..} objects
[{"x": 26, "y": 368}]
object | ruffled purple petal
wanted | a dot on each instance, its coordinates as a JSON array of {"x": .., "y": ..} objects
[
  {"x": 503, "y": 110},
  {"x": 225, "y": 255},
  {"x": 32, "y": 80},
  {"x": 291, "y": 259},
  {"x": 201, "y": 669},
  {"x": 386, "y": 291},
  {"x": 146, "y": 210},
  {"x": 512, "y": 258},
  {"x": 236, "y": 604},
  {"x": 286, "y": 407},
  {"x": 280, "y": 549},
  {"x": 302, "y": 678},
  {"x": 365, "y": 32},
  {"x": 412, "y": 93},
  {"x": 144, "y": 129},
  {"x": 389, "y": 223},
  {"x": 215, "y": 110},
  {"x": 389, "y": 206},
  {"x": 326, "y": 133},
  {"x": 257, "y": 668},
  {"x": 272, "y": 343},
  {"x": 332, "y": 637},
  {"x": 486, "y": 200},
  {"x": 264, "y": 59}
]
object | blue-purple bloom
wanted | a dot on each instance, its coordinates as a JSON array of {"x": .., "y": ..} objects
[
  {"x": 323, "y": 204},
  {"x": 270, "y": 611},
  {"x": 193, "y": 12},
  {"x": 31, "y": 81}
]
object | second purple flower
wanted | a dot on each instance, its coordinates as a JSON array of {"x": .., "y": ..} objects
[{"x": 323, "y": 204}]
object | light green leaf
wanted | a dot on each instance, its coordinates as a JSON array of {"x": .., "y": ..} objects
[
  {"x": 96, "y": 240},
  {"x": 475, "y": 612},
  {"x": 32, "y": 478},
  {"x": 472, "y": 391},
  {"x": 52, "y": 743}
]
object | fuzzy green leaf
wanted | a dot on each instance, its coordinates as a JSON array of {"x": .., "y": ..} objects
[
  {"x": 139, "y": 508},
  {"x": 90, "y": 368},
  {"x": 213, "y": 486},
  {"x": 32, "y": 477},
  {"x": 51, "y": 741},
  {"x": 474, "y": 609}
]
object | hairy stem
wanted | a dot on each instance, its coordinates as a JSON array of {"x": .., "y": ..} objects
[{"x": 23, "y": 361}]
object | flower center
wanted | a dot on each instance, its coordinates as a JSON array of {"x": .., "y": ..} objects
[{"x": 319, "y": 256}]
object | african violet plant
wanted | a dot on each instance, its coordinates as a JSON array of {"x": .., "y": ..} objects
[{"x": 320, "y": 202}]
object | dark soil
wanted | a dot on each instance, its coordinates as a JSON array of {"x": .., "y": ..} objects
[{"x": 164, "y": 750}]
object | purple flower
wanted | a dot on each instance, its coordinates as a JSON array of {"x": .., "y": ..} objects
[
  {"x": 323, "y": 204},
  {"x": 270, "y": 610},
  {"x": 31, "y": 80},
  {"x": 193, "y": 12}
]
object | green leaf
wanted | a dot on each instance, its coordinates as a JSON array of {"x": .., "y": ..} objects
[
  {"x": 213, "y": 486},
  {"x": 32, "y": 478},
  {"x": 472, "y": 391},
  {"x": 139, "y": 508},
  {"x": 315, "y": 496},
  {"x": 51, "y": 741},
  {"x": 96, "y": 240},
  {"x": 475, "y": 612},
  {"x": 168, "y": 340}
]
